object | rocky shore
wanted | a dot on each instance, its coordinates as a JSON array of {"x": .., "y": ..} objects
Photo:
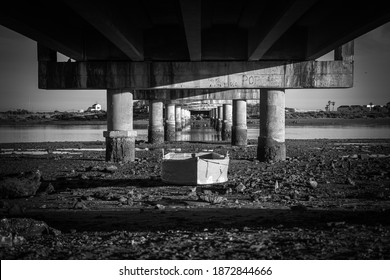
[{"x": 329, "y": 200}]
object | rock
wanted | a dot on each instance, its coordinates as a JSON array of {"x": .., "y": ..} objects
[
  {"x": 313, "y": 183},
  {"x": 20, "y": 185},
  {"x": 229, "y": 191},
  {"x": 212, "y": 198},
  {"x": 276, "y": 187},
  {"x": 240, "y": 188},
  {"x": 79, "y": 204},
  {"x": 83, "y": 177},
  {"x": 22, "y": 227},
  {"x": 351, "y": 182},
  {"x": 159, "y": 207},
  {"x": 111, "y": 169}
]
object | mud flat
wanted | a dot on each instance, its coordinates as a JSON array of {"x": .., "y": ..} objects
[{"x": 329, "y": 200}]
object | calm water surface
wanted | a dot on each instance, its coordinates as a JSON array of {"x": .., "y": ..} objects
[{"x": 53, "y": 133}]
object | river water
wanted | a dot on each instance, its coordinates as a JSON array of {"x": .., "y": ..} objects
[{"x": 53, "y": 133}]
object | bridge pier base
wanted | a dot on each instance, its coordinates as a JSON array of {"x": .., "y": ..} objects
[
  {"x": 178, "y": 118},
  {"x": 271, "y": 142},
  {"x": 170, "y": 126},
  {"x": 227, "y": 122},
  {"x": 120, "y": 137},
  {"x": 239, "y": 128},
  {"x": 156, "y": 126}
]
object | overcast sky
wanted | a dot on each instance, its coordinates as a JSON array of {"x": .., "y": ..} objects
[{"x": 19, "y": 78}]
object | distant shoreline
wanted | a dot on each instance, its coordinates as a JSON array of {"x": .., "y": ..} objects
[{"x": 252, "y": 123}]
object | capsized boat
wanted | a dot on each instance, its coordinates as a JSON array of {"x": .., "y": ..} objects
[{"x": 194, "y": 168}]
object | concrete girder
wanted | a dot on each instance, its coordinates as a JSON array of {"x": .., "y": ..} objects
[
  {"x": 191, "y": 12},
  {"x": 125, "y": 36},
  {"x": 190, "y": 95},
  {"x": 262, "y": 38},
  {"x": 195, "y": 75}
]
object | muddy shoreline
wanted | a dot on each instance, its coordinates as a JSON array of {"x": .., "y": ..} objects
[{"x": 329, "y": 200}]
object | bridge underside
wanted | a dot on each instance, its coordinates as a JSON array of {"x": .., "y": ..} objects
[
  {"x": 178, "y": 51},
  {"x": 193, "y": 30}
]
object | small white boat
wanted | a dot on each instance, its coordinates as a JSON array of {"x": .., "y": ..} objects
[{"x": 194, "y": 168}]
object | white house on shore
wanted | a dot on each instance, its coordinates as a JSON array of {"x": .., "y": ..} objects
[{"x": 95, "y": 108}]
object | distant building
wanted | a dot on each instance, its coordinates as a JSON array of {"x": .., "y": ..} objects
[
  {"x": 290, "y": 110},
  {"x": 367, "y": 108},
  {"x": 343, "y": 108},
  {"x": 95, "y": 108}
]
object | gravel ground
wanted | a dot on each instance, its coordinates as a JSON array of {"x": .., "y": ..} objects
[{"x": 329, "y": 200}]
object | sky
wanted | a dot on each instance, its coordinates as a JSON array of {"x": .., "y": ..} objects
[{"x": 19, "y": 78}]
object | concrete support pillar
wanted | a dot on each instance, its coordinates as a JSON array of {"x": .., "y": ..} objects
[
  {"x": 188, "y": 116},
  {"x": 120, "y": 137},
  {"x": 178, "y": 117},
  {"x": 213, "y": 118},
  {"x": 156, "y": 122},
  {"x": 227, "y": 122},
  {"x": 271, "y": 146},
  {"x": 220, "y": 118},
  {"x": 183, "y": 122},
  {"x": 170, "y": 123},
  {"x": 239, "y": 128}
]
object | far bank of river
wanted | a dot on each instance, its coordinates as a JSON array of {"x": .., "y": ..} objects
[{"x": 252, "y": 123}]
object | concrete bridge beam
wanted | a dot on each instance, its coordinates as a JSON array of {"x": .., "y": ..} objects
[
  {"x": 271, "y": 144},
  {"x": 156, "y": 124},
  {"x": 120, "y": 137},
  {"x": 170, "y": 123},
  {"x": 239, "y": 128},
  {"x": 227, "y": 122}
]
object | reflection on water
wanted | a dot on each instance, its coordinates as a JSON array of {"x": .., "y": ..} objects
[{"x": 53, "y": 133}]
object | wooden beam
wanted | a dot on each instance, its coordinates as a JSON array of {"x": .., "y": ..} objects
[
  {"x": 261, "y": 39},
  {"x": 120, "y": 32},
  {"x": 191, "y": 11},
  {"x": 195, "y": 75}
]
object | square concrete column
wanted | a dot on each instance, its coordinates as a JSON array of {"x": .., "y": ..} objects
[
  {"x": 178, "y": 118},
  {"x": 156, "y": 122},
  {"x": 239, "y": 128},
  {"x": 170, "y": 123},
  {"x": 120, "y": 137},
  {"x": 271, "y": 144},
  {"x": 227, "y": 122}
]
